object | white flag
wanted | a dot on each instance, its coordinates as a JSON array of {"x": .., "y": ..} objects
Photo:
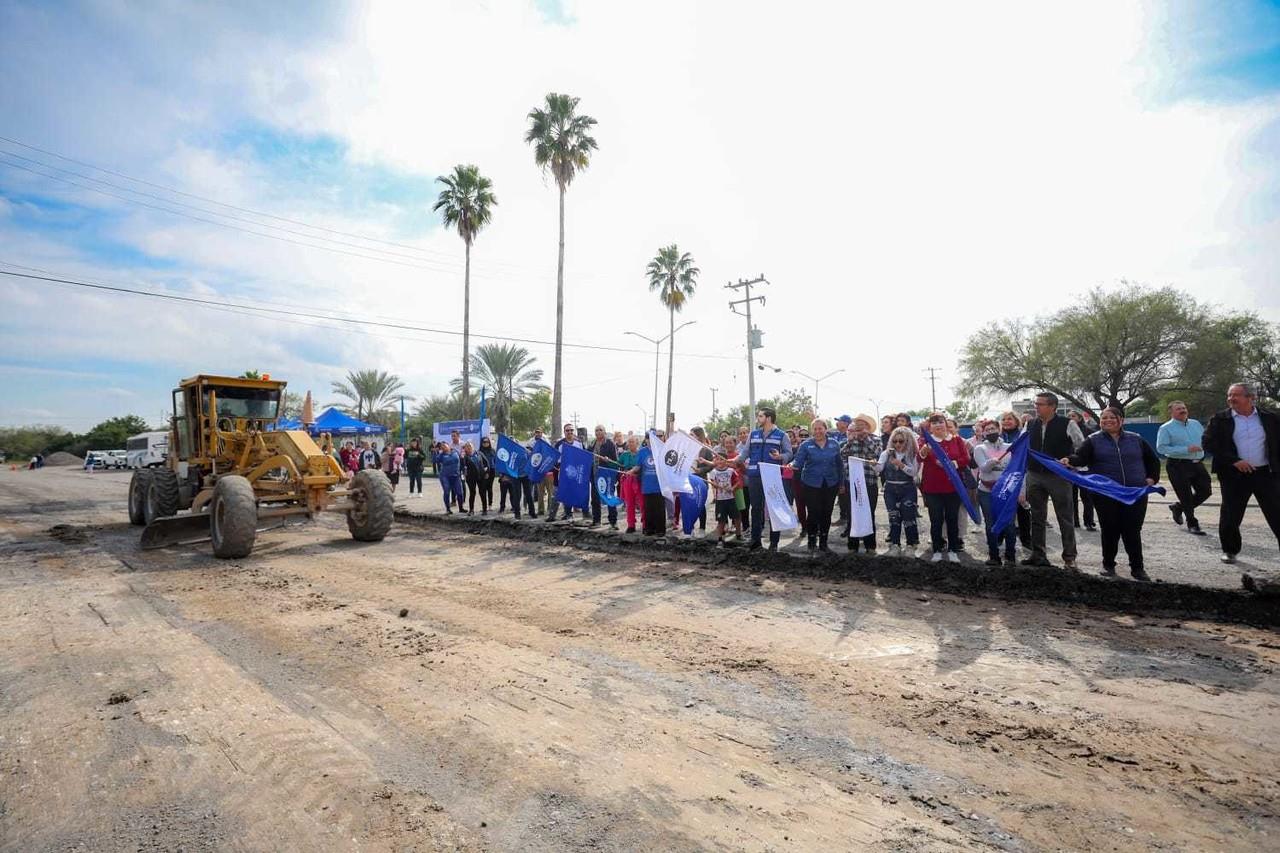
[
  {"x": 674, "y": 460},
  {"x": 781, "y": 515},
  {"x": 861, "y": 521}
]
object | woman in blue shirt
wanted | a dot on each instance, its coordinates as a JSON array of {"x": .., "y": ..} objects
[
  {"x": 818, "y": 461},
  {"x": 655, "y": 506}
]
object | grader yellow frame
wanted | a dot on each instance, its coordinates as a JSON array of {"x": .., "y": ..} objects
[{"x": 232, "y": 473}]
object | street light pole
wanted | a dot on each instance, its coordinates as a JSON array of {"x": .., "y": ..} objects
[
  {"x": 657, "y": 349},
  {"x": 714, "y": 411},
  {"x": 816, "y": 380},
  {"x": 643, "y": 413}
]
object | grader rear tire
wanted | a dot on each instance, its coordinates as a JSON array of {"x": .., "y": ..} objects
[
  {"x": 139, "y": 485},
  {"x": 233, "y": 518},
  {"x": 162, "y": 495},
  {"x": 375, "y": 506}
]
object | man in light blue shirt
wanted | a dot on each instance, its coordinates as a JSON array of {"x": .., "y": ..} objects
[{"x": 1180, "y": 443}]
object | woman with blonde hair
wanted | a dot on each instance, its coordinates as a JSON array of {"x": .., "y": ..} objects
[{"x": 899, "y": 466}]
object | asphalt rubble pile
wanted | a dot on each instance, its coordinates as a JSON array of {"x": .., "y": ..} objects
[{"x": 1259, "y": 606}]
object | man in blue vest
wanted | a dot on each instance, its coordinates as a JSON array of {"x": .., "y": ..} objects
[{"x": 769, "y": 444}]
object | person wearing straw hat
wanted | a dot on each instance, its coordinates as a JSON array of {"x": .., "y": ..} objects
[{"x": 863, "y": 444}]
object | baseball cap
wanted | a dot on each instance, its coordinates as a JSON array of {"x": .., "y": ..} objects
[{"x": 845, "y": 418}]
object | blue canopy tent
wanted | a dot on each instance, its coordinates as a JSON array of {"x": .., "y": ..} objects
[{"x": 336, "y": 422}]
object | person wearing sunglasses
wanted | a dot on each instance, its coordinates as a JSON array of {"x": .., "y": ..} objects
[{"x": 899, "y": 466}]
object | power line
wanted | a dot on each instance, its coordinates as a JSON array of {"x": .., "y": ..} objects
[
  {"x": 224, "y": 305},
  {"x": 209, "y": 200}
]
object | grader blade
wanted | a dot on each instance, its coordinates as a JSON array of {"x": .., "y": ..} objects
[{"x": 179, "y": 528}]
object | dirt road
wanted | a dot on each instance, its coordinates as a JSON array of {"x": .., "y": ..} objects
[{"x": 536, "y": 697}]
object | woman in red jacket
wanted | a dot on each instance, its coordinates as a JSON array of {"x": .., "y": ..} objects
[{"x": 940, "y": 496}]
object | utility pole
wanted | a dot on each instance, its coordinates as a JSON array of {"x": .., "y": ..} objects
[
  {"x": 753, "y": 334},
  {"x": 933, "y": 387},
  {"x": 714, "y": 410}
]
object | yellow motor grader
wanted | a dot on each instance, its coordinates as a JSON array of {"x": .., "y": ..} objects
[{"x": 233, "y": 474}]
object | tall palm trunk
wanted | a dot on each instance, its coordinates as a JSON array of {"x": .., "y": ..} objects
[
  {"x": 466, "y": 331},
  {"x": 671, "y": 361},
  {"x": 556, "y": 396}
]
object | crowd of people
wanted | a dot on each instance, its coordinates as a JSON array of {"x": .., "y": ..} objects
[{"x": 904, "y": 472}]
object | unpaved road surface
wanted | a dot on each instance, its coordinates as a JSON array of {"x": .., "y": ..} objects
[{"x": 538, "y": 697}]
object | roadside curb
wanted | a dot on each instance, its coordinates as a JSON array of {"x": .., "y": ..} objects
[{"x": 1054, "y": 586}]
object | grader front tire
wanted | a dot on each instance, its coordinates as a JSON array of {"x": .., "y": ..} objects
[
  {"x": 162, "y": 495},
  {"x": 233, "y": 518},
  {"x": 139, "y": 485},
  {"x": 371, "y": 518}
]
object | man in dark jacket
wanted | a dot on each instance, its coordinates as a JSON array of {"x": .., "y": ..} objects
[
  {"x": 605, "y": 453},
  {"x": 1052, "y": 434},
  {"x": 1245, "y": 443}
]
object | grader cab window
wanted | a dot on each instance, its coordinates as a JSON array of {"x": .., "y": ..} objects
[{"x": 261, "y": 404}]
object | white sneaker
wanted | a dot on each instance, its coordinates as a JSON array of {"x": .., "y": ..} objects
[
  {"x": 936, "y": 558},
  {"x": 953, "y": 557}
]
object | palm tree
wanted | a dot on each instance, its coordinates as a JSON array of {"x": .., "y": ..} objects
[
  {"x": 675, "y": 278},
  {"x": 369, "y": 392},
  {"x": 562, "y": 145},
  {"x": 509, "y": 373},
  {"x": 466, "y": 203}
]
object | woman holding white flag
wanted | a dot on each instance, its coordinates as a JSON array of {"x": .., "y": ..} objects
[{"x": 818, "y": 462}]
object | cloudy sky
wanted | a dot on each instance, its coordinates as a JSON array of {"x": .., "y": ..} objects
[{"x": 901, "y": 174}]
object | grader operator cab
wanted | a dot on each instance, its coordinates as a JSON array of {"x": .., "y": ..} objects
[{"x": 233, "y": 474}]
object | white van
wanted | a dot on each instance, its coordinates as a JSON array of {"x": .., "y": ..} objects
[{"x": 147, "y": 449}]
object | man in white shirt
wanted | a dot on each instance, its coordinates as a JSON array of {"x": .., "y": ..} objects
[{"x": 1245, "y": 443}]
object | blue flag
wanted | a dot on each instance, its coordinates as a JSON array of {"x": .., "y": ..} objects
[
  {"x": 542, "y": 460},
  {"x": 1097, "y": 483},
  {"x": 607, "y": 486},
  {"x": 944, "y": 461},
  {"x": 574, "y": 488},
  {"x": 1007, "y": 490},
  {"x": 513, "y": 460},
  {"x": 691, "y": 504}
]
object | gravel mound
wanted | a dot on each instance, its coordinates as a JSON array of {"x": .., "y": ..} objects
[{"x": 63, "y": 459}]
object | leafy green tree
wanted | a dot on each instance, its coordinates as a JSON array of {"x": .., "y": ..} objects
[
  {"x": 794, "y": 407},
  {"x": 290, "y": 405},
  {"x": 369, "y": 392},
  {"x": 466, "y": 203},
  {"x": 112, "y": 433},
  {"x": 1109, "y": 349},
  {"x": 507, "y": 371},
  {"x": 964, "y": 411},
  {"x": 533, "y": 411},
  {"x": 673, "y": 275},
  {"x": 21, "y": 443},
  {"x": 562, "y": 145},
  {"x": 251, "y": 374}
]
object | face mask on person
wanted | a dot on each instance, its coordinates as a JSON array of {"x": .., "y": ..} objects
[{"x": 992, "y": 436}]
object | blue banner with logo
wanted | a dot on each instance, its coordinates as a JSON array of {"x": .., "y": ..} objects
[
  {"x": 542, "y": 460},
  {"x": 1004, "y": 495},
  {"x": 1097, "y": 483},
  {"x": 1007, "y": 491},
  {"x": 691, "y": 504},
  {"x": 945, "y": 463},
  {"x": 513, "y": 460},
  {"x": 574, "y": 488},
  {"x": 607, "y": 486}
]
